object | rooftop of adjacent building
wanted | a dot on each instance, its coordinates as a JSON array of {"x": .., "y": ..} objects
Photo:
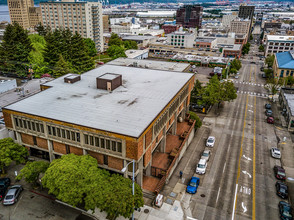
[
  {"x": 285, "y": 59},
  {"x": 181, "y": 33},
  {"x": 279, "y": 38},
  {"x": 289, "y": 96},
  {"x": 134, "y": 53},
  {"x": 205, "y": 39},
  {"x": 127, "y": 110}
]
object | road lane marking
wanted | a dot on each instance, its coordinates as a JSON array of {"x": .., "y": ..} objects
[
  {"x": 245, "y": 190},
  {"x": 247, "y": 158},
  {"x": 233, "y": 214},
  {"x": 254, "y": 145},
  {"x": 217, "y": 194},
  {"x": 224, "y": 167},
  {"x": 244, "y": 207},
  {"x": 246, "y": 173}
]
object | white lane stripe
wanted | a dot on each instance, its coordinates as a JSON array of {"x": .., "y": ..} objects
[
  {"x": 233, "y": 213},
  {"x": 217, "y": 195}
]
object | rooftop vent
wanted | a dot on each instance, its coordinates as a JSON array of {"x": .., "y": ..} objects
[
  {"x": 109, "y": 81},
  {"x": 72, "y": 78}
]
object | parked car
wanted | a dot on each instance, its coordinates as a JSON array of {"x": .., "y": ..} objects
[
  {"x": 193, "y": 185},
  {"x": 210, "y": 141},
  {"x": 4, "y": 184},
  {"x": 268, "y": 112},
  {"x": 236, "y": 77},
  {"x": 205, "y": 155},
  {"x": 282, "y": 190},
  {"x": 12, "y": 195},
  {"x": 270, "y": 120},
  {"x": 276, "y": 153},
  {"x": 201, "y": 166},
  {"x": 268, "y": 106},
  {"x": 279, "y": 172},
  {"x": 285, "y": 211}
]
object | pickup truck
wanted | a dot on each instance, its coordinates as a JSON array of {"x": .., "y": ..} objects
[{"x": 4, "y": 184}]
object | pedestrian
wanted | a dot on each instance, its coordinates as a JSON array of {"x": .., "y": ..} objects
[{"x": 181, "y": 174}]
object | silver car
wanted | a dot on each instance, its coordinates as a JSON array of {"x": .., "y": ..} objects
[
  {"x": 205, "y": 155},
  {"x": 12, "y": 195},
  {"x": 276, "y": 153},
  {"x": 210, "y": 141}
]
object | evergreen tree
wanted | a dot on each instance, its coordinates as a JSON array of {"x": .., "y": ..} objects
[
  {"x": 15, "y": 49},
  {"x": 80, "y": 59},
  {"x": 90, "y": 45},
  {"x": 61, "y": 67},
  {"x": 51, "y": 51}
]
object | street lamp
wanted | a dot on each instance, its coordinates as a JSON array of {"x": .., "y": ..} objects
[{"x": 124, "y": 170}]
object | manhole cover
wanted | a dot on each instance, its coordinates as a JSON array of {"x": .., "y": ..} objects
[
  {"x": 169, "y": 201},
  {"x": 202, "y": 195},
  {"x": 172, "y": 194},
  {"x": 146, "y": 210}
]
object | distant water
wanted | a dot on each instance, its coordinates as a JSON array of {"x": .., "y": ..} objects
[{"x": 4, "y": 13}]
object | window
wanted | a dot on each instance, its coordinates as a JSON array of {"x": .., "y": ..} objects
[
  {"x": 102, "y": 143},
  {"x": 119, "y": 147},
  {"x": 49, "y": 129},
  {"x": 68, "y": 134},
  {"x": 67, "y": 148},
  {"x": 113, "y": 145},
  {"x": 58, "y": 132},
  {"x": 16, "y": 122},
  {"x": 24, "y": 124},
  {"x": 91, "y": 140},
  {"x": 63, "y": 133},
  {"x": 105, "y": 160},
  {"x": 86, "y": 139},
  {"x": 108, "y": 144},
  {"x": 35, "y": 140},
  {"x": 96, "y": 141}
]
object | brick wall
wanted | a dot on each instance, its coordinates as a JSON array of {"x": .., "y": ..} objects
[
  {"x": 153, "y": 145},
  {"x": 159, "y": 135},
  {"x": 97, "y": 156},
  {"x": 147, "y": 156},
  {"x": 42, "y": 143},
  {"x": 27, "y": 139},
  {"x": 140, "y": 147},
  {"x": 148, "y": 137},
  {"x": 59, "y": 147},
  {"x": 131, "y": 149},
  {"x": 76, "y": 150},
  {"x": 115, "y": 163},
  {"x": 7, "y": 119}
]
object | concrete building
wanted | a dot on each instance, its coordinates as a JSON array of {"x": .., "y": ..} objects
[
  {"x": 137, "y": 54},
  {"x": 271, "y": 24},
  {"x": 226, "y": 20},
  {"x": 82, "y": 17},
  {"x": 24, "y": 13},
  {"x": 114, "y": 113},
  {"x": 190, "y": 16},
  {"x": 181, "y": 39},
  {"x": 232, "y": 51},
  {"x": 142, "y": 41},
  {"x": 105, "y": 23},
  {"x": 284, "y": 64},
  {"x": 156, "y": 14},
  {"x": 246, "y": 11},
  {"x": 240, "y": 26},
  {"x": 169, "y": 28},
  {"x": 278, "y": 44},
  {"x": 205, "y": 42},
  {"x": 286, "y": 99}
]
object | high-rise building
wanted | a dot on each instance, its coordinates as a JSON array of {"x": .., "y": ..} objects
[
  {"x": 24, "y": 13},
  {"x": 105, "y": 23},
  {"x": 246, "y": 11},
  {"x": 241, "y": 26},
  {"x": 190, "y": 16},
  {"x": 84, "y": 18}
]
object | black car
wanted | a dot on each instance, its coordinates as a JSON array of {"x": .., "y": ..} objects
[
  {"x": 268, "y": 106},
  {"x": 282, "y": 190},
  {"x": 4, "y": 184},
  {"x": 261, "y": 68},
  {"x": 285, "y": 211},
  {"x": 268, "y": 112},
  {"x": 279, "y": 172}
]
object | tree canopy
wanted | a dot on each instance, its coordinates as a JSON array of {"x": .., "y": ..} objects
[
  {"x": 11, "y": 151},
  {"x": 90, "y": 45},
  {"x": 246, "y": 48},
  {"x": 117, "y": 47},
  {"x": 77, "y": 180},
  {"x": 269, "y": 60}
]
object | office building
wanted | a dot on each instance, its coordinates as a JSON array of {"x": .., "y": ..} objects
[
  {"x": 277, "y": 44},
  {"x": 246, "y": 12},
  {"x": 105, "y": 23},
  {"x": 116, "y": 113},
  {"x": 24, "y": 13},
  {"x": 240, "y": 26},
  {"x": 190, "y": 16},
  {"x": 226, "y": 20},
  {"x": 82, "y": 17},
  {"x": 181, "y": 39}
]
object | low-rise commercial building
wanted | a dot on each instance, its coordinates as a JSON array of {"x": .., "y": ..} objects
[
  {"x": 114, "y": 113},
  {"x": 284, "y": 64},
  {"x": 137, "y": 54},
  {"x": 286, "y": 99},
  {"x": 169, "y": 28},
  {"x": 232, "y": 51},
  {"x": 205, "y": 42},
  {"x": 277, "y": 44},
  {"x": 181, "y": 39},
  {"x": 142, "y": 41}
]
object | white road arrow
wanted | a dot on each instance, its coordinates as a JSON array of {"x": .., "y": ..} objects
[
  {"x": 244, "y": 207},
  {"x": 245, "y": 172},
  {"x": 247, "y": 158}
]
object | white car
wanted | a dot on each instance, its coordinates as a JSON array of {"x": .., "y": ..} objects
[
  {"x": 205, "y": 155},
  {"x": 201, "y": 166},
  {"x": 210, "y": 141},
  {"x": 276, "y": 153}
]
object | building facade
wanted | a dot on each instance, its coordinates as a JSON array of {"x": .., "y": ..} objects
[
  {"x": 205, "y": 42},
  {"x": 181, "y": 39},
  {"x": 277, "y": 44},
  {"x": 105, "y": 23},
  {"x": 284, "y": 64},
  {"x": 84, "y": 18},
  {"x": 169, "y": 28},
  {"x": 24, "y": 13},
  {"x": 114, "y": 116},
  {"x": 240, "y": 26},
  {"x": 286, "y": 99},
  {"x": 189, "y": 16},
  {"x": 246, "y": 12},
  {"x": 226, "y": 20}
]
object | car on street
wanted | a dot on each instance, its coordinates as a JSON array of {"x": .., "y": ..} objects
[
  {"x": 268, "y": 106},
  {"x": 270, "y": 120},
  {"x": 193, "y": 185},
  {"x": 276, "y": 153},
  {"x": 205, "y": 155},
  {"x": 282, "y": 189},
  {"x": 285, "y": 211},
  {"x": 236, "y": 77},
  {"x": 4, "y": 184},
  {"x": 12, "y": 195},
  {"x": 279, "y": 172},
  {"x": 210, "y": 141},
  {"x": 201, "y": 166},
  {"x": 268, "y": 112}
]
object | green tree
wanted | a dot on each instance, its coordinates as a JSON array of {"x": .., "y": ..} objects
[
  {"x": 197, "y": 91},
  {"x": 11, "y": 151},
  {"x": 233, "y": 71},
  {"x": 14, "y": 50},
  {"x": 262, "y": 35},
  {"x": 268, "y": 73},
  {"x": 114, "y": 40},
  {"x": 251, "y": 37},
  {"x": 269, "y": 60},
  {"x": 246, "y": 48},
  {"x": 116, "y": 51},
  {"x": 61, "y": 67},
  {"x": 229, "y": 92},
  {"x": 32, "y": 170},
  {"x": 236, "y": 64},
  {"x": 261, "y": 48},
  {"x": 90, "y": 45},
  {"x": 130, "y": 44},
  {"x": 52, "y": 48},
  {"x": 290, "y": 81},
  {"x": 194, "y": 116},
  {"x": 42, "y": 31}
]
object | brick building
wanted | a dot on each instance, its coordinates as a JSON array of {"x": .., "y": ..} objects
[
  {"x": 169, "y": 28},
  {"x": 190, "y": 16},
  {"x": 113, "y": 113}
]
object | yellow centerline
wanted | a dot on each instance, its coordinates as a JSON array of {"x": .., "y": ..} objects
[{"x": 254, "y": 157}]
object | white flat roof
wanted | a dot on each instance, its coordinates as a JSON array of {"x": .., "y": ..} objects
[
  {"x": 127, "y": 110},
  {"x": 134, "y": 53},
  {"x": 280, "y": 38}
]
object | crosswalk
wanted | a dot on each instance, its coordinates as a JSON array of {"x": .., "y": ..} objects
[
  {"x": 261, "y": 95},
  {"x": 248, "y": 83}
]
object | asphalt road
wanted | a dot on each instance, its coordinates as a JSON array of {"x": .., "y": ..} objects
[{"x": 239, "y": 183}]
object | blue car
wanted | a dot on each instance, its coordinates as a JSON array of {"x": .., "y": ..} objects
[
  {"x": 285, "y": 211},
  {"x": 193, "y": 185}
]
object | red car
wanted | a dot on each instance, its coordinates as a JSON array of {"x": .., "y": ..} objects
[
  {"x": 270, "y": 120},
  {"x": 279, "y": 172}
]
